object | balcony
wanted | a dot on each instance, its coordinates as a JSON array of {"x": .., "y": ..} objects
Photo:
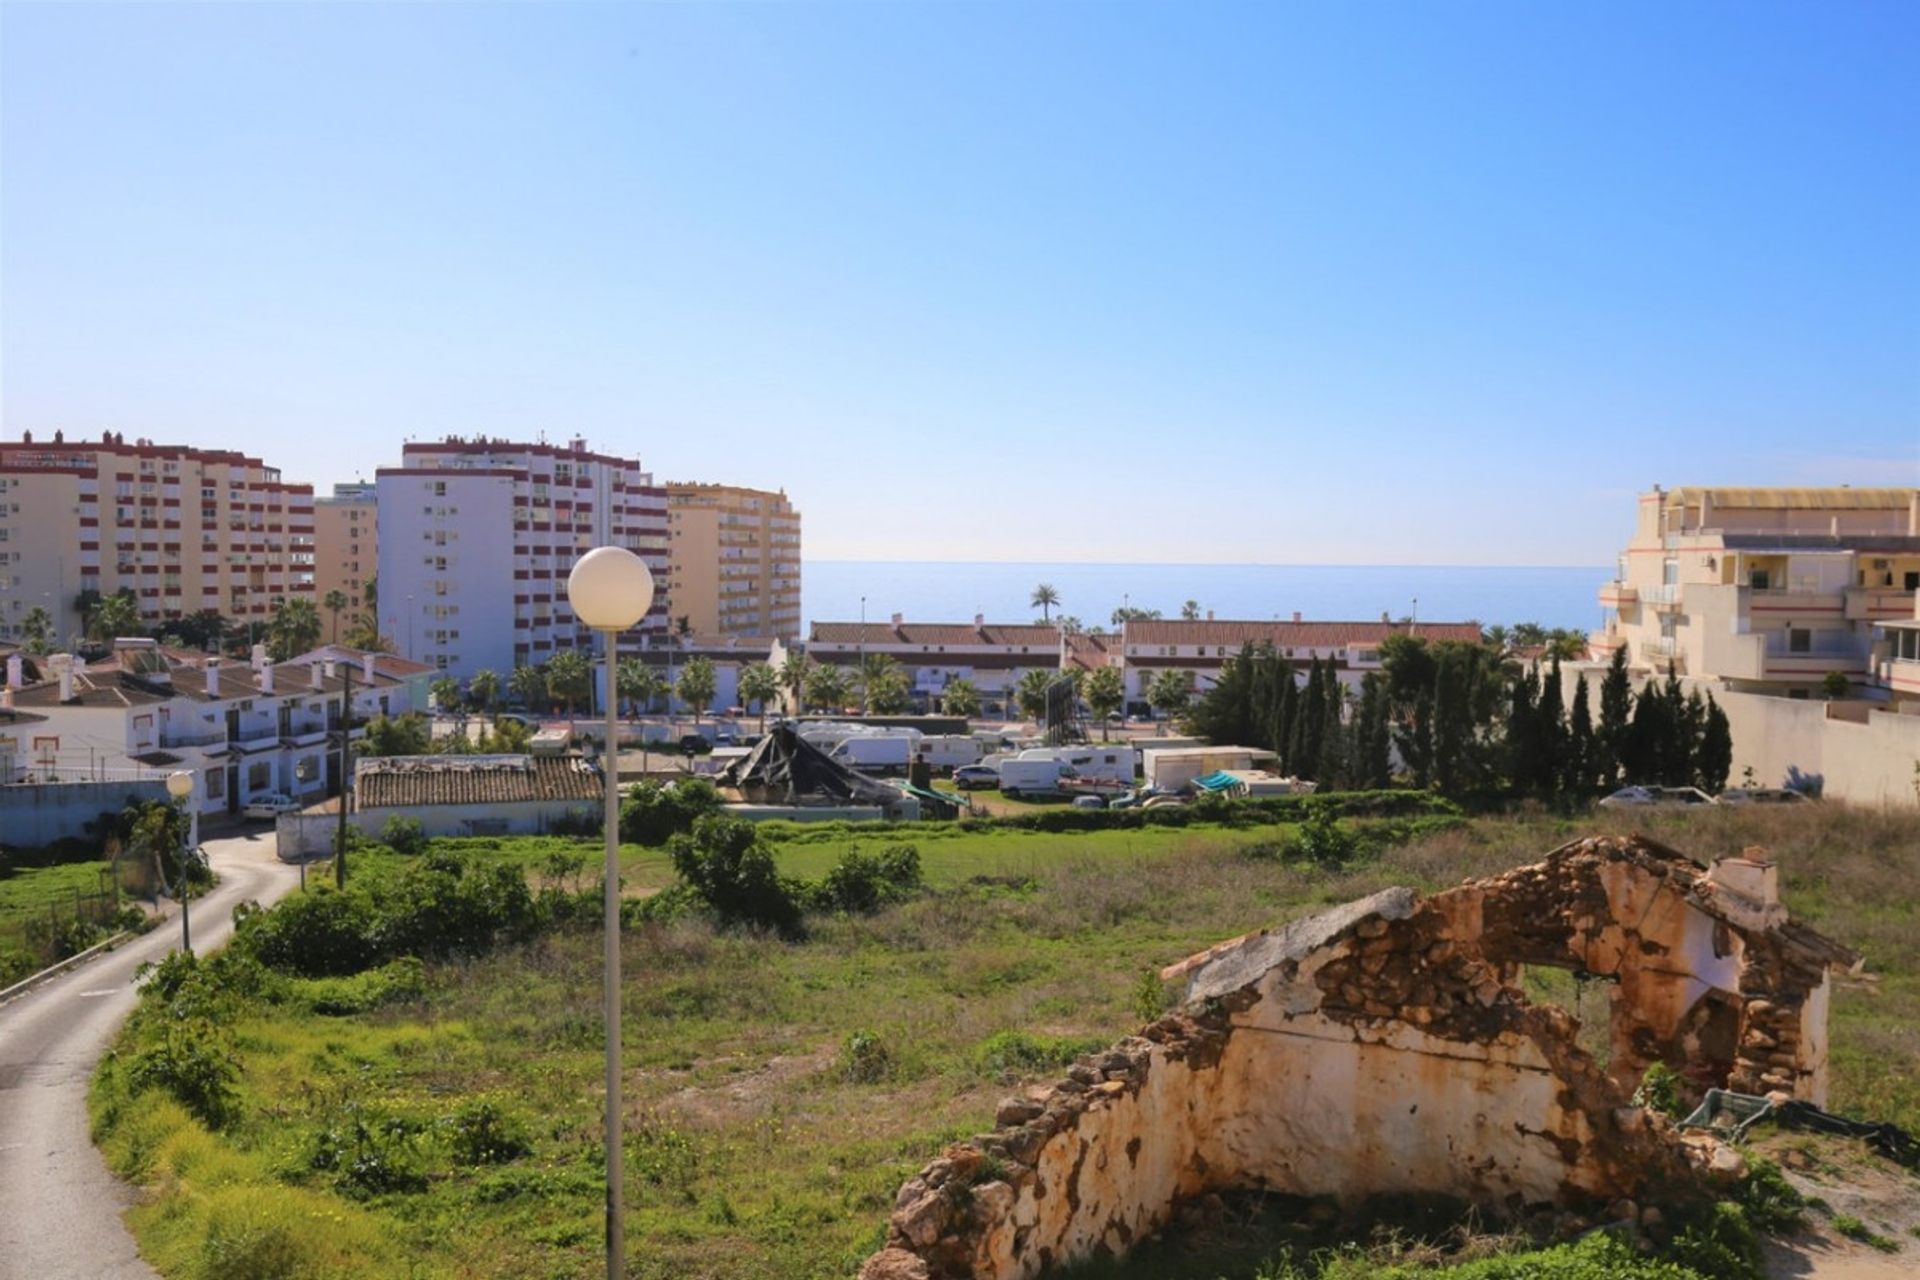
[
  {"x": 1776, "y": 603},
  {"x": 1664, "y": 596},
  {"x": 1772, "y": 656},
  {"x": 1880, "y": 604},
  {"x": 1618, "y": 595},
  {"x": 194, "y": 738}
]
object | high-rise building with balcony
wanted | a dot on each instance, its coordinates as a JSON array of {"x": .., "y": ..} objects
[
  {"x": 477, "y": 537},
  {"x": 183, "y": 529},
  {"x": 346, "y": 533},
  {"x": 734, "y": 560},
  {"x": 1766, "y": 590}
]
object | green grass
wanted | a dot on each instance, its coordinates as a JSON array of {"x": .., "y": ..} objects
[
  {"x": 29, "y": 890},
  {"x": 778, "y": 1093}
]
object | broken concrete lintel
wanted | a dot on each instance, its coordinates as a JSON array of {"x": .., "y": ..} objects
[{"x": 1245, "y": 962}]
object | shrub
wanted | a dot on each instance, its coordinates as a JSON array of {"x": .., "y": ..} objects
[
  {"x": 405, "y": 836},
  {"x": 652, "y": 814},
  {"x": 315, "y": 934},
  {"x": 401, "y": 979},
  {"x": 1659, "y": 1090},
  {"x": 861, "y": 884},
  {"x": 1718, "y": 1241},
  {"x": 480, "y": 1133},
  {"x": 1322, "y": 841},
  {"x": 191, "y": 1060},
  {"x": 725, "y": 863},
  {"x": 864, "y": 1058},
  {"x": 1008, "y": 1055},
  {"x": 1771, "y": 1203}
]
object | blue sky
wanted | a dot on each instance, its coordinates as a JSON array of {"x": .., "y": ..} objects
[{"x": 1318, "y": 283}]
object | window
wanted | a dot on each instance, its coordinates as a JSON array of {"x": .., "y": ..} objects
[{"x": 1799, "y": 640}]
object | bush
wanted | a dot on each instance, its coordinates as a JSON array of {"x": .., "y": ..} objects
[
  {"x": 864, "y": 1059},
  {"x": 652, "y": 814},
  {"x": 1008, "y": 1055},
  {"x": 1659, "y": 1090},
  {"x": 192, "y": 1061},
  {"x": 1600, "y": 1256},
  {"x": 733, "y": 873},
  {"x": 480, "y": 1133},
  {"x": 402, "y": 979},
  {"x": 861, "y": 884},
  {"x": 405, "y": 836},
  {"x": 1322, "y": 841},
  {"x": 316, "y": 934}
]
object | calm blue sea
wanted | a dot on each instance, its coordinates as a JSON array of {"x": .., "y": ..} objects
[{"x": 944, "y": 591}]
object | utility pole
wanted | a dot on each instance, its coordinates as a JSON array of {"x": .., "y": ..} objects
[{"x": 346, "y": 778}]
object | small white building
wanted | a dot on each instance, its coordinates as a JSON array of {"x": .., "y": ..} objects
[{"x": 1175, "y": 768}]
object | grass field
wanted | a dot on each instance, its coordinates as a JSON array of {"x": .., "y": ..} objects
[
  {"x": 43, "y": 898},
  {"x": 779, "y": 1092}
]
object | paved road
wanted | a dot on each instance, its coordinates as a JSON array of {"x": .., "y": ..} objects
[{"x": 59, "y": 1206}]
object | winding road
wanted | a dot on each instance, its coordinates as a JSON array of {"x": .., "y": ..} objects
[{"x": 60, "y": 1208}]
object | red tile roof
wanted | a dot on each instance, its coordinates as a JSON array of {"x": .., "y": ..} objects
[
  {"x": 389, "y": 782},
  {"x": 1296, "y": 635},
  {"x": 1089, "y": 652},
  {"x": 878, "y": 633}
]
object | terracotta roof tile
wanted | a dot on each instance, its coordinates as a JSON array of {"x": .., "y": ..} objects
[
  {"x": 992, "y": 633},
  {"x": 1299, "y": 635},
  {"x": 390, "y": 782}
]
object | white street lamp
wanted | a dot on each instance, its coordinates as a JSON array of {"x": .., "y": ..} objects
[
  {"x": 180, "y": 787},
  {"x": 610, "y": 590}
]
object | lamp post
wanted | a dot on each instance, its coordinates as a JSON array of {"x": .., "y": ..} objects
[
  {"x": 180, "y": 787},
  {"x": 610, "y": 590}
]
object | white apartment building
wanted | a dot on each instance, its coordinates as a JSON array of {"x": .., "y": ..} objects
[
  {"x": 477, "y": 537},
  {"x": 1201, "y": 647},
  {"x": 1764, "y": 590},
  {"x": 241, "y": 729},
  {"x": 994, "y": 656},
  {"x": 184, "y": 529}
]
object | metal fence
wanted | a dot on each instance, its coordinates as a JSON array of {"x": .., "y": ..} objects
[{"x": 67, "y": 922}]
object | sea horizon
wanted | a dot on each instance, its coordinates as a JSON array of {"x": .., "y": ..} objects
[{"x": 957, "y": 590}]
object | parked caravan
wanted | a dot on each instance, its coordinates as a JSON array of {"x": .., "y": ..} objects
[
  {"x": 1174, "y": 769},
  {"x": 950, "y": 751},
  {"x": 1100, "y": 762},
  {"x": 1021, "y": 777},
  {"x": 871, "y": 753}
]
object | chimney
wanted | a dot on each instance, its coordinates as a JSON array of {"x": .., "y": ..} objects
[
  {"x": 213, "y": 677},
  {"x": 979, "y": 619},
  {"x": 1296, "y": 615},
  {"x": 313, "y": 672},
  {"x": 16, "y": 671},
  {"x": 1385, "y": 616},
  {"x": 259, "y": 656},
  {"x": 266, "y": 677},
  {"x": 62, "y": 664},
  {"x": 1209, "y": 615},
  {"x": 366, "y": 668},
  {"x": 899, "y": 619}
]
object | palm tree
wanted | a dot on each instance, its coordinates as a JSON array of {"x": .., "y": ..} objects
[
  {"x": 796, "y": 672},
  {"x": 827, "y": 686},
  {"x": 36, "y": 629},
  {"x": 1044, "y": 599},
  {"x": 1031, "y": 692},
  {"x": 484, "y": 688},
  {"x": 1170, "y": 692},
  {"x": 961, "y": 697},
  {"x": 878, "y": 671},
  {"x": 333, "y": 602},
  {"x": 1499, "y": 638},
  {"x": 697, "y": 684},
  {"x": 1105, "y": 692},
  {"x": 569, "y": 678},
  {"x": 293, "y": 629},
  {"x": 115, "y": 615},
  {"x": 633, "y": 683},
  {"x": 759, "y": 685},
  {"x": 529, "y": 685},
  {"x": 445, "y": 692},
  {"x": 1190, "y": 611}
]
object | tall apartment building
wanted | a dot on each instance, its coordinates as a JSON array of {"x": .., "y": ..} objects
[
  {"x": 1766, "y": 590},
  {"x": 477, "y": 537},
  {"x": 184, "y": 529},
  {"x": 734, "y": 560},
  {"x": 346, "y": 532}
]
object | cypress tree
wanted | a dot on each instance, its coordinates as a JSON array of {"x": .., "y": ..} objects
[
  {"x": 1310, "y": 725},
  {"x": 1416, "y": 741},
  {"x": 1289, "y": 720},
  {"x": 1372, "y": 763},
  {"x": 1551, "y": 730},
  {"x": 1452, "y": 724},
  {"x": 1581, "y": 748},
  {"x": 1646, "y": 737},
  {"x": 1715, "y": 758},
  {"x": 1615, "y": 727},
  {"x": 1523, "y": 733},
  {"x": 1333, "y": 734}
]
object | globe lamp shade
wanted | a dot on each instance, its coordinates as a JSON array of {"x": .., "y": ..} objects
[
  {"x": 610, "y": 589},
  {"x": 179, "y": 785}
]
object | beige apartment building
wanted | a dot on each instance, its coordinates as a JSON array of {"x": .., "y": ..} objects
[
  {"x": 733, "y": 560},
  {"x": 1765, "y": 590},
  {"x": 346, "y": 540},
  {"x": 184, "y": 529}
]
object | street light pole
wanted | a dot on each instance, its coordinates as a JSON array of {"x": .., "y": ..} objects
[{"x": 610, "y": 590}]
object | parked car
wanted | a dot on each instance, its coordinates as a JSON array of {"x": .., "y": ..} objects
[
  {"x": 270, "y": 804},
  {"x": 1764, "y": 795},
  {"x": 1089, "y": 802},
  {"x": 972, "y": 777},
  {"x": 1648, "y": 797}
]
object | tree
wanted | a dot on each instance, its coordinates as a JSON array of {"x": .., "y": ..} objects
[
  {"x": 406, "y": 736},
  {"x": 1835, "y": 686},
  {"x": 961, "y": 697},
  {"x": 759, "y": 685},
  {"x": 1714, "y": 759},
  {"x": 826, "y": 686},
  {"x": 114, "y": 616},
  {"x": 1499, "y": 639},
  {"x": 1612, "y": 736},
  {"x": 529, "y": 686},
  {"x": 888, "y": 694},
  {"x": 484, "y": 689},
  {"x": 1372, "y": 767},
  {"x": 1105, "y": 691},
  {"x": 1130, "y": 613},
  {"x": 293, "y": 629},
  {"x": 1527, "y": 635},
  {"x": 1415, "y": 739},
  {"x": 697, "y": 685},
  {"x": 204, "y": 629},
  {"x": 1030, "y": 693},
  {"x": 880, "y": 680},
  {"x": 795, "y": 672},
  {"x": 445, "y": 691},
  {"x": 1045, "y": 598},
  {"x": 1071, "y": 625},
  {"x": 634, "y": 684},
  {"x": 570, "y": 678},
  {"x": 1190, "y": 611},
  {"x": 36, "y": 629},
  {"x": 1170, "y": 692},
  {"x": 333, "y": 602},
  {"x": 1578, "y": 775}
]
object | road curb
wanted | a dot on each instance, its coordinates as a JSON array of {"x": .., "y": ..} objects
[{"x": 28, "y": 983}]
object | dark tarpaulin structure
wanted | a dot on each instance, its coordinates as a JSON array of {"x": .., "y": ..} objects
[{"x": 784, "y": 768}]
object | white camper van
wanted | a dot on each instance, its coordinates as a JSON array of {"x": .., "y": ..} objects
[{"x": 1099, "y": 762}]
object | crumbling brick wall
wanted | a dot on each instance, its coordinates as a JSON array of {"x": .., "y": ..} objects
[{"x": 1382, "y": 1047}]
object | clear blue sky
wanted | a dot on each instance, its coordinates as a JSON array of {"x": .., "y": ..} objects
[{"x": 1412, "y": 283}]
